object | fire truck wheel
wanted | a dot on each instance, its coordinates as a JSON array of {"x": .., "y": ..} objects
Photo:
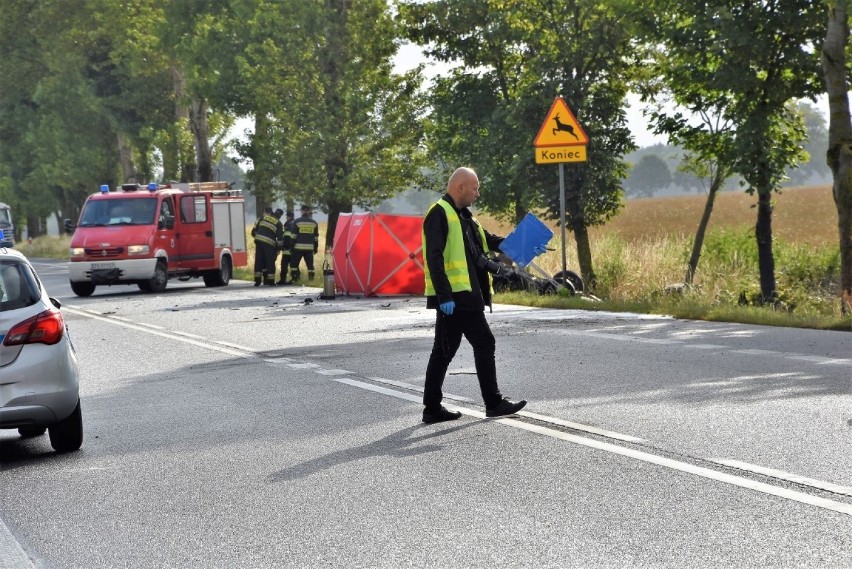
[
  {"x": 221, "y": 277},
  {"x": 157, "y": 283},
  {"x": 82, "y": 289}
]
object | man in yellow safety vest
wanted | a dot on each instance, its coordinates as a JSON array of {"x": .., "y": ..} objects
[{"x": 458, "y": 286}]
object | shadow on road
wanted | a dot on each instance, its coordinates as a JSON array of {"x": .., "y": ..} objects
[{"x": 398, "y": 444}]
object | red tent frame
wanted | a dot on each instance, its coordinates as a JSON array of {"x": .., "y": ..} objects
[{"x": 378, "y": 254}]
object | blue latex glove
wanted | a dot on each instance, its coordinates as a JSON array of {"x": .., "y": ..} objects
[
  {"x": 448, "y": 307},
  {"x": 540, "y": 250}
]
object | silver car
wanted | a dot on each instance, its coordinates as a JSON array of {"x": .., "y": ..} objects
[{"x": 39, "y": 381}]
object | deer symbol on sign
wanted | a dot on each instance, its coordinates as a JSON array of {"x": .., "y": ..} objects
[{"x": 562, "y": 126}]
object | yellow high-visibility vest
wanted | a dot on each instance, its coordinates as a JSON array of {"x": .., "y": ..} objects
[{"x": 455, "y": 261}]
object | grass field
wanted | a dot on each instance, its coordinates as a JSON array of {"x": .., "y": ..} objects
[
  {"x": 805, "y": 215},
  {"x": 653, "y": 239},
  {"x": 646, "y": 247}
]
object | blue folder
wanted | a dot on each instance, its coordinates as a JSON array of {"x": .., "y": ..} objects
[{"x": 521, "y": 243}]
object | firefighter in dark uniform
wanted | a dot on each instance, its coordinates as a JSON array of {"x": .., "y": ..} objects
[
  {"x": 287, "y": 249},
  {"x": 268, "y": 233},
  {"x": 305, "y": 245}
]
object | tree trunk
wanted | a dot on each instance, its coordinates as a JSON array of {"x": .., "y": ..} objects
[
  {"x": 335, "y": 159},
  {"x": 584, "y": 255},
  {"x": 575, "y": 212},
  {"x": 125, "y": 156},
  {"x": 520, "y": 210},
  {"x": 35, "y": 226},
  {"x": 186, "y": 154},
  {"x": 335, "y": 208},
  {"x": 171, "y": 156},
  {"x": 260, "y": 175},
  {"x": 839, "y": 154},
  {"x": 765, "y": 258},
  {"x": 698, "y": 243},
  {"x": 200, "y": 127}
]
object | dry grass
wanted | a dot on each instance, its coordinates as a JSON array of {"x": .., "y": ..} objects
[
  {"x": 645, "y": 248},
  {"x": 802, "y": 215}
]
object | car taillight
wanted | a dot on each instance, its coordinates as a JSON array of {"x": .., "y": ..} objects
[{"x": 44, "y": 328}]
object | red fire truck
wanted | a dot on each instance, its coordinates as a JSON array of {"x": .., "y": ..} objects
[{"x": 147, "y": 235}]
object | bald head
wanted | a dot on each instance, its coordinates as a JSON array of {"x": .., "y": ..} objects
[{"x": 463, "y": 187}]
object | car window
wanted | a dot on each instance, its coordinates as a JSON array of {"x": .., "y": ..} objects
[{"x": 18, "y": 289}]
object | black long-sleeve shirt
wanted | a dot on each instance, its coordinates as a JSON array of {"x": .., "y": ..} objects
[{"x": 435, "y": 230}]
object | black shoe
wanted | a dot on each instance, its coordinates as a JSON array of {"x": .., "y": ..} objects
[
  {"x": 505, "y": 407},
  {"x": 256, "y": 283},
  {"x": 442, "y": 414}
]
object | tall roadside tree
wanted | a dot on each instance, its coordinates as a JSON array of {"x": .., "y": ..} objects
[
  {"x": 513, "y": 57},
  {"x": 57, "y": 140},
  {"x": 836, "y": 71},
  {"x": 748, "y": 61},
  {"x": 349, "y": 131},
  {"x": 261, "y": 50}
]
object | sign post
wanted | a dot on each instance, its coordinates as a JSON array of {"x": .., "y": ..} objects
[{"x": 560, "y": 139}]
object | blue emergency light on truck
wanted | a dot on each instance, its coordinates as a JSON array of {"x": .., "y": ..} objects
[{"x": 7, "y": 230}]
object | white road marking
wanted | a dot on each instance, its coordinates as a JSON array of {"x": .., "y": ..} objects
[
  {"x": 780, "y": 474},
  {"x": 303, "y": 365},
  {"x": 757, "y": 352},
  {"x": 188, "y": 335},
  {"x": 204, "y": 344},
  {"x": 420, "y": 389},
  {"x": 235, "y": 346},
  {"x": 377, "y": 389},
  {"x": 332, "y": 371},
  {"x": 592, "y": 443},
  {"x": 643, "y": 456},
  {"x": 581, "y": 427},
  {"x": 12, "y": 555}
]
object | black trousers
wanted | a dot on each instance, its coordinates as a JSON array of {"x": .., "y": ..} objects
[
  {"x": 296, "y": 256},
  {"x": 448, "y": 334},
  {"x": 264, "y": 262}
]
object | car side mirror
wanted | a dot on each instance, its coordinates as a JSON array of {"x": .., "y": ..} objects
[
  {"x": 55, "y": 302},
  {"x": 69, "y": 227}
]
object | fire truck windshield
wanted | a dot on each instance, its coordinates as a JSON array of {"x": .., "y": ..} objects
[{"x": 122, "y": 211}]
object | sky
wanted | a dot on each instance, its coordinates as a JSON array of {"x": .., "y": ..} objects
[{"x": 410, "y": 55}]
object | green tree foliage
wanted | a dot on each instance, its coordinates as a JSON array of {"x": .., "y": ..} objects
[
  {"x": 337, "y": 126},
  {"x": 648, "y": 176},
  {"x": 513, "y": 57},
  {"x": 744, "y": 63},
  {"x": 813, "y": 168},
  {"x": 57, "y": 140}
]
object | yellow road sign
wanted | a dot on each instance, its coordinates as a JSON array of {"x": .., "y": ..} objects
[
  {"x": 554, "y": 154},
  {"x": 560, "y": 128}
]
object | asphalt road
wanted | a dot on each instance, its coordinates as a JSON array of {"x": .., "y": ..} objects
[{"x": 264, "y": 427}]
